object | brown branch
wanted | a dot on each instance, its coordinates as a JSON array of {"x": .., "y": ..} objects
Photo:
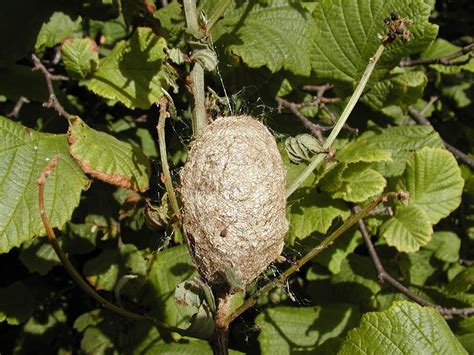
[
  {"x": 72, "y": 270},
  {"x": 383, "y": 276},
  {"x": 315, "y": 129},
  {"x": 333, "y": 118},
  {"x": 18, "y": 105},
  {"x": 318, "y": 89},
  {"x": 49, "y": 78},
  {"x": 421, "y": 119},
  {"x": 444, "y": 60}
]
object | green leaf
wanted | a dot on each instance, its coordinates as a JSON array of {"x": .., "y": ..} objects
[
  {"x": 358, "y": 183},
  {"x": 105, "y": 271},
  {"x": 433, "y": 179},
  {"x": 313, "y": 212},
  {"x": 16, "y": 303},
  {"x": 277, "y": 35},
  {"x": 289, "y": 330},
  {"x": 24, "y": 154},
  {"x": 408, "y": 229},
  {"x": 441, "y": 48},
  {"x": 133, "y": 73},
  {"x": 462, "y": 282},
  {"x": 194, "y": 347},
  {"x": 334, "y": 256},
  {"x": 445, "y": 245},
  {"x": 171, "y": 21},
  {"x": 302, "y": 147},
  {"x": 357, "y": 281},
  {"x": 59, "y": 27},
  {"x": 170, "y": 268},
  {"x": 401, "y": 89},
  {"x": 80, "y": 57},
  {"x": 106, "y": 158},
  {"x": 418, "y": 267},
  {"x": 390, "y": 142},
  {"x": 39, "y": 256},
  {"x": 405, "y": 328},
  {"x": 96, "y": 341},
  {"x": 346, "y": 37}
]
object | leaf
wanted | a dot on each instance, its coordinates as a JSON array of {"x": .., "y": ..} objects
[
  {"x": 405, "y": 328},
  {"x": 333, "y": 257},
  {"x": 402, "y": 89},
  {"x": 170, "y": 268},
  {"x": 289, "y": 330},
  {"x": 418, "y": 267},
  {"x": 16, "y": 303},
  {"x": 445, "y": 245},
  {"x": 462, "y": 282},
  {"x": 39, "y": 256},
  {"x": 302, "y": 147},
  {"x": 433, "y": 180},
  {"x": 346, "y": 37},
  {"x": 172, "y": 21},
  {"x": 313, "y": 212},
  {"x": 133, "y": 73},
  {"x": 96, "y": 341},
  {"x": 440, "y": 48},
  {"x": 80, "y": 57},
  {"x": 357, "y": 183},
  {"x": 105, "y": 271},
  {"x": 59, "y": 27},
  {"x": 106, "y": 158},
  {"x": 408, "y": 229},
  {"x": 277, "y": 35},
  {"x": 24, "y": 154},
  {"x": 386, "y": 145},
  {"x": 194, "y": 347},
  {"x": 357, "y": 281}
]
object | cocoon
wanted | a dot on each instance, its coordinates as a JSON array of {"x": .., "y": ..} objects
[{"x": 233, "y": 190}]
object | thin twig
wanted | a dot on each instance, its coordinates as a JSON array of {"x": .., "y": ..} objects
[
  {"x": 315, "y": 251},
  {"x": 318, "y": 158},
  {"x": 444, "y": 60},
  {"x": 164, "y": 156},
  {"x": 53, "y": 100},
  {"x": 18, "y": 105},
  {"x": 318, "y": 89},
  {"x": 421, "y": 119},
  {"x": 333, "y": 118},
  {"x": 315, "y": 129},
  {"x": 72, "y": 270},
  {"x": 384, "y": 276},
  {"x": 430, "y": 103}
]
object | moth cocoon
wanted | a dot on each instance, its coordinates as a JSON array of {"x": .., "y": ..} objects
[{"x": 233, "y": 190}]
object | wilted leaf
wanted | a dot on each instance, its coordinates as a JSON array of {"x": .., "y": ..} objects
[
  {"x": 106, "y": 158},
  {"x": 433, "y": 180},
  {"x": 302, "y": 147},
  {"x": 405, "y": 328},
  {"x": 408, "y": 229},
  {"x": 24, "y": 154}
]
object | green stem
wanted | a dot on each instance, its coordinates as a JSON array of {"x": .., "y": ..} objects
[
  {"x": 313, "y": 252},
  {"x": 218, "y": 13},
  {"x": 197, "y": 73},
  {"x": 164, "y": 156},
  {"x": 318, "y": 158},
  {"x": 72, "y": 270}
]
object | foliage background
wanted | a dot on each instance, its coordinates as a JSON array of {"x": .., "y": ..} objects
[{"x": 119, "y": 56}]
